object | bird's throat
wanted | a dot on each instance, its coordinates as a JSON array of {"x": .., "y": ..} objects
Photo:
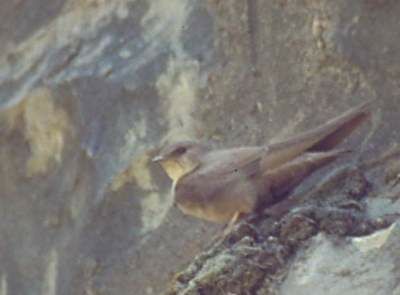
[{"x": 176, "y": 169}]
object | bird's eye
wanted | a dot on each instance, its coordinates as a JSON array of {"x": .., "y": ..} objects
[{"x": 180, "y": 150}]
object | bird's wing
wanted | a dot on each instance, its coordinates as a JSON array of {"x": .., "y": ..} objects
[
  {"x": 286, "y": 177},
  {"x": 322, "y": 138},
  {"x": 244, "y": 161},
  {"x": 221, "y": 170}
]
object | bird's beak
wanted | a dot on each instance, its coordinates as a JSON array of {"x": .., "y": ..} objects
[{"x": 157, "y": 159}]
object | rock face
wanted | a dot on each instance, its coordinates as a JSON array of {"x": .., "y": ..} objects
[
  {"x": 89, "y": 89},
  {"x": 364, "y": 265}
]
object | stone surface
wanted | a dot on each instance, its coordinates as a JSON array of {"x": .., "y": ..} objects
[
  {"x": 367, "y": 265},
  {"x": 89, "y": 90}
]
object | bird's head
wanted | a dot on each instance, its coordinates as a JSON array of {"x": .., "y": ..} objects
[{"x": 180, "y": 158}]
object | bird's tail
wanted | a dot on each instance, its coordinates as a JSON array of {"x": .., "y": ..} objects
[
  {"x": 319, "y": 139},
  {"x": 282, "y": 180}
]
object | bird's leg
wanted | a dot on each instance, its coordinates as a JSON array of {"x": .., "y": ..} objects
[
  {"x": 219, "y": 238},
  {"x": 229, "y": 227}
]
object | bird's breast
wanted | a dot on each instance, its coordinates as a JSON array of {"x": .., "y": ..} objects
[
  {"x": 208, "y": 213},
  {"x": 219, "y": 205}
]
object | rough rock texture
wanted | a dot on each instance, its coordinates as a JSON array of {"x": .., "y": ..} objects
[
  {"x": 366, "y": 265},
  {"x": 328, "y": 246},
  {"x": 89, "y": 89}
]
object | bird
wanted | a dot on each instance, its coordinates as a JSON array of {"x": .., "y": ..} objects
[{"x": 224, "y": 185}]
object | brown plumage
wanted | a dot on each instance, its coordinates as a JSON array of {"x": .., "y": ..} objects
[{"x": 218, "y": 185}]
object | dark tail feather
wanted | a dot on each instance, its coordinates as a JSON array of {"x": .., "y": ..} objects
[
  {"x": 342, "y": 127},
  {"x": 322, "y": 138},
  {"x": 284, "y": 179}
]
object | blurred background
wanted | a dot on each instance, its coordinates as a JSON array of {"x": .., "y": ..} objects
[{"x": 89, "y": 89}]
